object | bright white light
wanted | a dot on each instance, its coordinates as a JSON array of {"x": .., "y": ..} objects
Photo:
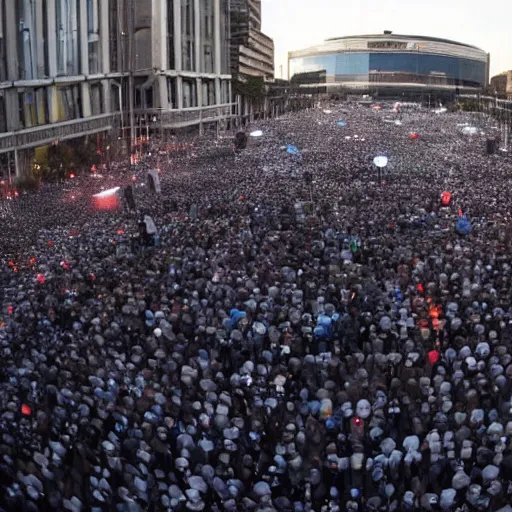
[
  {"x": 257, "y": 133},
  {"x": 380, "y": 161},
  {"x": 398, "y": 122},
  {"x": 107, "y": 193},
  {"x": 327, "y": 111}
]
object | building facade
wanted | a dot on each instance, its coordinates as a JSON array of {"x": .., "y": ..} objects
[
  {"x": 501, "y": 85},
  {"x": 391, "y": 62},
  {"x": 252, "y": 58},
  {"x": 252, "y": 52},
  {"x": 71, "y": 68}
]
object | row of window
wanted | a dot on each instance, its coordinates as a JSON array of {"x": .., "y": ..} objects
[
  {"x": 33, "y": 59},
  {"x": 34, "y": 103},
  {"x": 349, "y": 65}
]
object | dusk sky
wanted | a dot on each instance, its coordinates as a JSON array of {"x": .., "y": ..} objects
[{"x": 296, "y": 24}]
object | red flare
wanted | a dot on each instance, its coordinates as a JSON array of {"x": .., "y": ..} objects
[
  {"x": 26, "y": 410},
  {"x": 40, "y": 279},
  {"x": 433, "y": 356},
  {"x": 446, "y": 198}
]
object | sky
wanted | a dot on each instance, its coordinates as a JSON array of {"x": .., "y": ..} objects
[{"x": 297, "y": 24}]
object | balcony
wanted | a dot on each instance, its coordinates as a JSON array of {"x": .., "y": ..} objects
[
  {"x": 264, "y": 69},
  {"x": 189, "y": 116},
  {"x": 49, "y": 133}
]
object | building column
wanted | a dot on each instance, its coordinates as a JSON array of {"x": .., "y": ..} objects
[
  {"x": 199, "y": 87},
  {"x": 40, "y": 61},
  {"x": 197, "y": 36},
  {"x": 84, "y": 58},
  {"x": 177, "y": 52},
  {"x": 159, "y": 34},
  {"x": 105, "y": 54},
  {"x": 40, "y": 48},
  {"x": 11, "y": 40},
  {"x": 217, "y": 63},
  {"x": 159, "y": 49},
  {"x": 51, "y": 48},
  {"x": 163, "y": 96}
]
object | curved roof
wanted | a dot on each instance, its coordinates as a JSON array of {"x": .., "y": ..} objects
[{"x": 403, "y": 36}]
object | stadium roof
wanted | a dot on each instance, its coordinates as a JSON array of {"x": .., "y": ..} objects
[{"x": 403, "y": 36}]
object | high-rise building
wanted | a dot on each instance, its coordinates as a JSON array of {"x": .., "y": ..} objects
[
  {"x": 252, "y": 52},
  {"x": 70, "y": 68}
]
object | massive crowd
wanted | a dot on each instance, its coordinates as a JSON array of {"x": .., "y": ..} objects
[{"x": 350, "y": 353}]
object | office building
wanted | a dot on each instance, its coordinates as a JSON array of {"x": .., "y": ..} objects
[
  {"x": 252, "y": 52},
  {"x": 71, "y": 68}
]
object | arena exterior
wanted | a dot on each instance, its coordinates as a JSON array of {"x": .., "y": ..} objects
[{"x": 391, "y": 65}]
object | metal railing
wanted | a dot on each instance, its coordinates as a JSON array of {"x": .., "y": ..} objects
[
  {"x": 188, "y": 116},
  {"x": 50, "y": 133}
]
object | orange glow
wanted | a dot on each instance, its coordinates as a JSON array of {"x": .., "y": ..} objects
[
  {"x": 71, "y": 175},
  {"x": 26, "y": 410},
  {"x": 32, "y": 261},
  {"x": 11, "y": 263},
  {"x": 435, "y": 311},
  {"x": 50, "y": 243}
]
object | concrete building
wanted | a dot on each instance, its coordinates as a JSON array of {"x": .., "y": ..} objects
[
  {"x": 501, "y": 85},
  {"x": 252, "y": 53},
  {"x": 71, "y": 68}
]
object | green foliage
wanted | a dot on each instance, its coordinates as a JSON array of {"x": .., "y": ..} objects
[
  {"x": 65, "y": 158},
  {"x": 250, "y": 86}
]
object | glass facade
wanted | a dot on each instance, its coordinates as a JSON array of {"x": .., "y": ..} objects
[
  {"x": 188, "y": 40},
  {"x": 207, "y": 37},
  {"x": 224, "y": 37},
  {"x": 359, "y": 67}
]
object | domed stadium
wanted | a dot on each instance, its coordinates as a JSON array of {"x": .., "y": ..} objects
[{"x": 391, "y": 63}]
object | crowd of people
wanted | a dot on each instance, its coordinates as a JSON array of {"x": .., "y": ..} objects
[{"x": 299, "y": 332}]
